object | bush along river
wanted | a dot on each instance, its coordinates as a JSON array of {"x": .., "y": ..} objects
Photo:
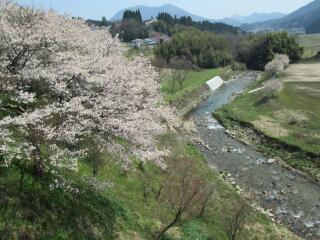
[{"x": 287, "y": 196}]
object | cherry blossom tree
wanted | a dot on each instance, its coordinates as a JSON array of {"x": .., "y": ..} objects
[
  {"x": 273, "y": 86},
  {"x": 284, "y": 59},
  {"x": 95, "y": 91},
  {"x": 277, "y": 65}
]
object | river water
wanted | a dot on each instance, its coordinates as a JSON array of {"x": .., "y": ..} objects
[{"x": 290, "y": 197}]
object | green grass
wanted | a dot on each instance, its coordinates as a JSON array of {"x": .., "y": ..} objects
[
  {"x": 146, "y": 216},
  {"x": 292, "y": 118},
  {"x": 310, "y": 43},
  {"x": 194, "y": 81},
  {"x": 118, "y": 211},
  {"x": 35, "y": 212}
]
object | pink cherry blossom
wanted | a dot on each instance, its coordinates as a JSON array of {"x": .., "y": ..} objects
[{"x": 97, "y": 92}]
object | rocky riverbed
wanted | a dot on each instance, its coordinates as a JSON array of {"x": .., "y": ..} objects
[{"x": 283, "y": 194}]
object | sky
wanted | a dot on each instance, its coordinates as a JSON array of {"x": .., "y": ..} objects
[{"x": 213, "y": 9}]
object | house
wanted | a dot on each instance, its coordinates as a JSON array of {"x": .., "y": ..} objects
[
  {"x": 155, "y": 40},
  {"x": 136, "y": 43},
  {"x": 165, "y": 38},
  {"x": 151, "y": 41}
]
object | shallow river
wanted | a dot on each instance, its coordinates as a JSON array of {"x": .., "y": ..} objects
[{"x": 293, "y": 199}]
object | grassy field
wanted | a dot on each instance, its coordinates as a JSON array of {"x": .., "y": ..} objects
[
  {"x": 194, "y": 81},
  {"x": 311, "y": 44},
  {"x": 293, "y": 117}
]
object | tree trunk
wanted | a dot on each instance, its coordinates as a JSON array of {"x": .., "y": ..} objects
[
  {"x": 38, "y": 169},
  {"x": 159, "y": 192},
  {"x": 170, "y": 225},
  {"x": 21, "y": 181},
  {"x": 141, "y": 166},
  {"x": 145, "y": 193},
  {"x": 173, "y": 85},
  {"x": 95, "y": 171}
]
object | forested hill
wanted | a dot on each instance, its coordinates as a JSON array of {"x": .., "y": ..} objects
[
  {"x": 132, "y": 26},
  {"x": 304, "y": 17},
  {"x": 165, "y": 21},
  {"x": 148, "y": 13}
]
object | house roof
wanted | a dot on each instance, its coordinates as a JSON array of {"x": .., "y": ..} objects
[
  {"x": 137, "y": 40},
  {"x": 150, "y": 41}
]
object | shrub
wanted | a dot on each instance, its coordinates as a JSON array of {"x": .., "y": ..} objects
[
  {"x": 204, "y": 49},
  {"x": 256, "y": 52},
  {"x": 236, "y": 66}
]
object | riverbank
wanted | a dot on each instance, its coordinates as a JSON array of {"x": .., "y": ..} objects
[
  {"x": 290, "y": 156},
  {"x": 286, "y": 126},
  {"x": 194, "y": 88},
  {"x": 286, "y": 195}
]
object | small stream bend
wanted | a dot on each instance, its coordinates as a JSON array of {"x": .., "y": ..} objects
[{"x": 293, "y": 199}]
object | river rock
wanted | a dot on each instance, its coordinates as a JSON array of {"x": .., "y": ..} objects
[
  {"x": 207, "y": 147},
  {"x": 270, "y": 161},
  {"x": 269, "y": 213},
  {"x": 297, "y": 215},
  {"x": 259, "y": 161},
  {"x": 309, "y": 224}
]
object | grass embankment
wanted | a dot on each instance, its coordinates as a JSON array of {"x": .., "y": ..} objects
[
  {"x": 291, "y": 121},
  {"x": 193, "y": 92},
  {"x": 310, "y": 43},
  {"x": 118, "y": 210},
  {"x": 194, "y": 81}
]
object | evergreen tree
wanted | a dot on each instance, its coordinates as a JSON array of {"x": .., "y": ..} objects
[
  {"x": 256, "y": 52},
  {"x": 104, "y": 21}
]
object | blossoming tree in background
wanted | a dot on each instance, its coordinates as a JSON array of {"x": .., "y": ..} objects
[
  {"x": 275, "y": 68},
  {"x": 277, "y": 65}
]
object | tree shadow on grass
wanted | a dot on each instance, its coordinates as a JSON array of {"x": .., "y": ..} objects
[
  {"x": 264, "y": 100},
  {"x": 39, "y": 213}
]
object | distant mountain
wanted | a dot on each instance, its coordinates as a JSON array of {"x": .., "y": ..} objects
[
  {"x": 299, "y": 19},
  {"x": 257, "y": 17},
  {"x": 314, "y": 27},
  {"x": 152, "y": 12},
  {"x": 230, "y": 21}
]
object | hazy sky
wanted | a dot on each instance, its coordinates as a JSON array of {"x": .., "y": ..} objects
[{"x": 207, "y": 8}]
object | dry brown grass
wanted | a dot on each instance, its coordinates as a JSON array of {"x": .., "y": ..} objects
[
  {"x": 303, "y": 72},
  {"x": 274, "y": 233},
  {"x": 309, "y": 91},
  {"x": 270, "y": 127},
  {"x": 288, "y": 116}
]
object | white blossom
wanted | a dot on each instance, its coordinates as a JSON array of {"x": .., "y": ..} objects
[{"x": 97, "y": 92}]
